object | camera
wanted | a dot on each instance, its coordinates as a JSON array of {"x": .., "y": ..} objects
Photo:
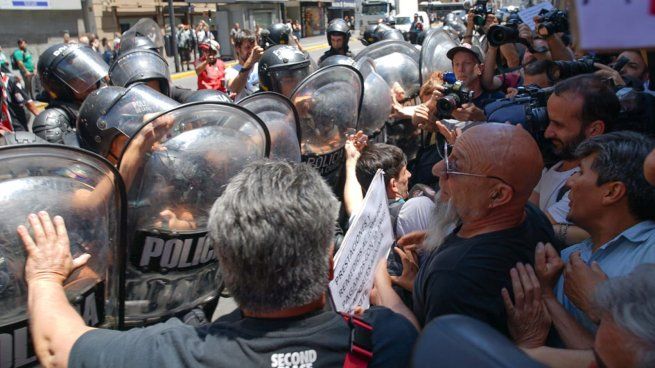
[
  {"x": 481, "y": 9},
  {"x": 527, "y": 108},
  {"x": 552, "y": 21},
  {"x": 455, "y": 94},
  {"x": 509, "y": 33},
  {"x": 566, "y": 69}
]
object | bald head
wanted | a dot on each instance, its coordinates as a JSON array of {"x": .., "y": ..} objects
[{"x": 506, "y": 151}]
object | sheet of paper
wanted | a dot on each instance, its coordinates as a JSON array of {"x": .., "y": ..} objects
[
  {"x": 528, "y": 14},
  {"x": 367, "y": 241},
  {"x": 616, "y": 24}
]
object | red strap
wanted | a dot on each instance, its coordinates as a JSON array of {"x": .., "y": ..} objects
[{"x": 358, "y": 356}]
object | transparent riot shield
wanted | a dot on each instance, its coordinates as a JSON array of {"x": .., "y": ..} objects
[
  {"x": 88, "y": 193},
  {"x": 397, "y": 62},
  {"x": 281, "y": 119},
  {"x": 377, "y": 102},
  {"x": 433, "y": 54},
  {"x": 328, "y": 104},
  {"x": 145, "y": 27},
  {"x": 174, "y": 168}
]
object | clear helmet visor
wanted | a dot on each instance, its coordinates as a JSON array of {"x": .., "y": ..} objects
[
  {"x": 286, "y": 80},
  {"x": 82, "y": 69},
  {"x": 146, "y": 27},
  {"x": 138, "y": 65}
]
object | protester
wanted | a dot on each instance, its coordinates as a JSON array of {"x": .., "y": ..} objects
[
  {"x": 233, "y": 33},
  {"x": 243, "y": 79},
  {"x": 611, "y": 200},
  {"x": 284, "y": 305},
  {"x": 210, "y": 69},
  {"x": 13, "y": 98},
  {"x": 184, "y": 44},
  {"x": 21, "y": 60},
  {"x": 483, "y": 225}
]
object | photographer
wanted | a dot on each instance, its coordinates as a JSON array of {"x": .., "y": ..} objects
[{"x": 552, "y": 26}]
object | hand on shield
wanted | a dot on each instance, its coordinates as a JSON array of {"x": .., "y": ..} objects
[
  {"x": 48, "y": 253},
  {"x": 184, "y": 221}
]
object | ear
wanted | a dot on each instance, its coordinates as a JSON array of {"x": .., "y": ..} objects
[
  {"x": 613, "y": 192},
  {"x": 480, "y": 69},
  {"x": 392, "y": 189},
  {"x": 500, "y": 195},
  {"x": 595, "y": 128}
]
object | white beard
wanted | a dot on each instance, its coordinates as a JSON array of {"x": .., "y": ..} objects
[{"x": 444, "y": 221}]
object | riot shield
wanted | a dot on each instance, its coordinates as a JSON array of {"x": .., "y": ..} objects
[
  {"x": 145, "y": 27},
  {"x": 281, "y": 119},
  {"x": 174, "y": 168},
  {"x": 433, "y": 54},
  {"x": 397, "y": 62},
  {"x": 328, "y": 104},
  {"x": 87, "y": 191},
  {"x": 377, "y": 102}
]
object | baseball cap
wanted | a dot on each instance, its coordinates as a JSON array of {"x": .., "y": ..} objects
[{"x": 475, "y": 50}]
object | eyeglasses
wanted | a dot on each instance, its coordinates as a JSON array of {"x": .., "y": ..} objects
[{"x": 450, "y": 169}]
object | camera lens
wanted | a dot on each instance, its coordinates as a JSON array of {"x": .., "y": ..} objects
[
  {"x": 447, "y": 104},
  {"x": 479, "y": 20},
  {"x": 500, "y": 35}
]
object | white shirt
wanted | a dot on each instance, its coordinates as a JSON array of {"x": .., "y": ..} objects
[
  {"x": 252, "y": 85},
  {"x": 549, "y": 187}
]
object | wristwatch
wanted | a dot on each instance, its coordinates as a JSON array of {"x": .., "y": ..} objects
[{"x": 244, "y": 70}]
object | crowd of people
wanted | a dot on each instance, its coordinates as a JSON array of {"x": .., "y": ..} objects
[{"x": 521, "y": 194}]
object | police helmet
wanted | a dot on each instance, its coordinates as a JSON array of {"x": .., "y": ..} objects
[
  {"x": 338, "y": 26},
  {"x": 52, "y": 125},
  {"x": 141, "y": 66},
  {"x": 281, "y": 68},
  {"x": 69, "y": 69},
  {"x": 278, "y": 34},
  {"x": 137, "y": 43},
  {"x": 113, "y": 110}
]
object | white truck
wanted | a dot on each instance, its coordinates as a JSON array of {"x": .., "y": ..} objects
[{"x": 374, "y": 10}]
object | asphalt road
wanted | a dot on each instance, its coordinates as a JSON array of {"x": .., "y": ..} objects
[{"x": 316, "y": 46}]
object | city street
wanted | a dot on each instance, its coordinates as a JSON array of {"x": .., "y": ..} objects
[{"x": 316, "y": 46}]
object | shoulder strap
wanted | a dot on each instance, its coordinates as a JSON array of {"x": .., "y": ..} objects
[
  {"x": 562, "y": 191},
  {"x": 361, "y": 342}
]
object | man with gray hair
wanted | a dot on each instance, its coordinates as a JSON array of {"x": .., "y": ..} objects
[
  {"x": 272, "y": 232},
  {"x": 611, "y": 200}
]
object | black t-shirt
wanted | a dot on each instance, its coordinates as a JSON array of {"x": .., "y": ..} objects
[
  {"x": 465, "y": 276},
  {"x": 317, "y": 339}
]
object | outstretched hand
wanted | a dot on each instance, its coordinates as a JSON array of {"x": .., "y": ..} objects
[
  {"x": 48, "y": 253},
  {"x": 528, "y": 319}
]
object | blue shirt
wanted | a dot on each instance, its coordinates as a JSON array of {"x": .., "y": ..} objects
[{"x": 617, "y": 257}]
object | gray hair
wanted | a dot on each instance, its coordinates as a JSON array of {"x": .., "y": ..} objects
[
  {"x": 621, "y": 157},
  {"x": 630, "y": 302},
  {"x": 272, "y": 230}
]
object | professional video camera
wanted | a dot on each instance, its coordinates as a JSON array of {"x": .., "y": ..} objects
[
  {"x": 527, "y": 108},
  {"x": 552, "y": 21},
  {"x": 509, "y": 33},
  {"x": 566, "y": 69},
  {"x": 481, "y": 9},
  {"x": 455, "y": 94}
]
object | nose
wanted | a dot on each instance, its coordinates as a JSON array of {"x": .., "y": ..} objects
[
  {"x": 549, "y": 134},
  {"x": 438, "y": 169}
]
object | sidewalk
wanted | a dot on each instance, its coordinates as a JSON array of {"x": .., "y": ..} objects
[{"x": 308, "y": 43}]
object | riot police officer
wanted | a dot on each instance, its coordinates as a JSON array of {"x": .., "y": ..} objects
[
  {"x": 338, "y": 34},
  {"x": 275, "y": 34},
  {"x": 68, "y": 73},
  {"x": 282, "y": 68}
]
